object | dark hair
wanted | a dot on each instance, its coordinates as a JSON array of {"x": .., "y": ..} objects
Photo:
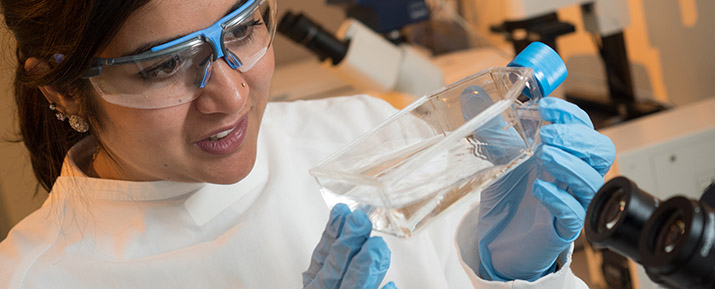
[{"x": 78, "y": 29}]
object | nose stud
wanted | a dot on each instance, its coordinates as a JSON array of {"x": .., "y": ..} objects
[{"x": 243, "y": 84}]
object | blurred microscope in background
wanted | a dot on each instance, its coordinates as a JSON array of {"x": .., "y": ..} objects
[
  {"x": 528, "y": 20},
  {"x": 366, "y": 59},
  {"x": 435, "y": 25},
  {"x": 396, "y": 46},
  {"x": 399, "y": 50}
]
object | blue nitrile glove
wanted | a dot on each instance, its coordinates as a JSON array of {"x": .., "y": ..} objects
[
  {"x": 533, "y": 213},
  {"x": 346, "y": 256}
]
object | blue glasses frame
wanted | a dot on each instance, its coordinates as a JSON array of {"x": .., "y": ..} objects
[{"x": 213, "y": 35}]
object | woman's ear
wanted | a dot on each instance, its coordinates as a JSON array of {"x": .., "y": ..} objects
[{"x": 64, "y": 103}]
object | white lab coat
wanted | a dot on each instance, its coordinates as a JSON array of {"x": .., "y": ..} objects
[{"x": 257, "y": 233}]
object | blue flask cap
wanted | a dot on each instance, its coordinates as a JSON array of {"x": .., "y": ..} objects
[{"x": 549, "y": 68}]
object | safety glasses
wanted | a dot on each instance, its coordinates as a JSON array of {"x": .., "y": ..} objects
[{"x": 173, "y": 73}]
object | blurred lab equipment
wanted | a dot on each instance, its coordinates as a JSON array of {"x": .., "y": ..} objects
[
  {"x": 385, "y": 16},
  {"x": 433, "y": 25},
  {"x": 673, "y": 239},
  {"x": 435, "y": 152},
  {"x": 529, "y": 20},
  {"x": 365, "y": 59}
]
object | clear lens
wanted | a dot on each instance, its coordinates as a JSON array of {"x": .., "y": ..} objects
[
  {"x": 174, "y": 78},
  {"x": 612, "y": 211},
  {"x": 671, "y": 234},
  {"x": 162, "y": 82},
  {"x": 249, "y": 39}
]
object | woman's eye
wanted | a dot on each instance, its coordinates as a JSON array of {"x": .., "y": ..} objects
[
  {"x": 243, "y": 30},
  {"x": 239, "y": 32},
  {"x": 164, "y": 69}
]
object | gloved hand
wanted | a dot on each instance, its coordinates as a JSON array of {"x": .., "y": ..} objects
[
  {"x": 533, "y": 213},
  {"x": 346, "y": 256}
]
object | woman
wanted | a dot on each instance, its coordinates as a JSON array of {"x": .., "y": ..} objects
[{"x": 142, "y": 118}]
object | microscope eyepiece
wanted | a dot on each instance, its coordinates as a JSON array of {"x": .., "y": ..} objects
[
  {"x": 677, "y": 243},
  {"x": 671, "y": 234},
  {"x": 617, "y": 214},
  {"x": 673, "y": 240},
  {"x": 613, "y": 210}
]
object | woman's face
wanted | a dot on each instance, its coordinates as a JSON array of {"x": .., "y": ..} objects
[{"x": 174, "y": 143}]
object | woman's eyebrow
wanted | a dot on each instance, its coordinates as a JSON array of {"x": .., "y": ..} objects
[{"x": 148, "y": 45}]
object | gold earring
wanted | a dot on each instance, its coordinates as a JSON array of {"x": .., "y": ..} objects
[
  {"x": 78, "y": 123},
  {"x": 243, "y": 84}
]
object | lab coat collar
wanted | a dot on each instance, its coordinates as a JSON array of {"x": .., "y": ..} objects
[{"x": 203, "y": 201}]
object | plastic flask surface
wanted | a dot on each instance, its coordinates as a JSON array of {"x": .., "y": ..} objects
[{"x": 435, "y": 152}]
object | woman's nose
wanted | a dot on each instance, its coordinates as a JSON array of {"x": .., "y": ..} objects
[{"x": 225, "y": 90}]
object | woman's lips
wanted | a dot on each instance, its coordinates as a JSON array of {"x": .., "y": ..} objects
[{"x": 227, "y": 144}]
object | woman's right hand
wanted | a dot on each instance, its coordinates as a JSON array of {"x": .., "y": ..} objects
[{"x": 346, "y": 256}]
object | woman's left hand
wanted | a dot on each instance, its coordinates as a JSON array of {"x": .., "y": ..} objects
[
  {"x": 346, "y": 256},
  {"x": 532, "y": 214}
]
